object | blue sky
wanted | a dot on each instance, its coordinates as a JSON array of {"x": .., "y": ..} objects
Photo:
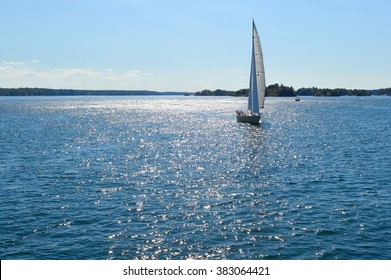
[{"x": 177, "y": 45}]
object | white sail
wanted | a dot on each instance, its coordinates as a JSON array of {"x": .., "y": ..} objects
[
  {"x": 256, "y": 98},
  {"x": 257, "y": 89}
]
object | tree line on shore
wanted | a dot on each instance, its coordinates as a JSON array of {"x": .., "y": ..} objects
[
  {"x": 75, "y": 92},
  {"x": 271, "y": 90},
  {"x": 281, "y": 90}
]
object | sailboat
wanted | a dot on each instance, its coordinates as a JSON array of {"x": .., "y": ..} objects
[{"x": 256, "y": 97}]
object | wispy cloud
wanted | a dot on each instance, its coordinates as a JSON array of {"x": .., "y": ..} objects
[
  {"x": 133, "y": 74},
  {"x": 20, "y": 74},
  {"x": 6, "y": 69},
  {"x": 13, "y": 62},
  {"x": 76, "y": 72},
  {"x": 14, "y": 71}
]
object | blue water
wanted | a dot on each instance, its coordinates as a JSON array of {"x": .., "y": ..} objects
[{"x": 178, "y": 178}]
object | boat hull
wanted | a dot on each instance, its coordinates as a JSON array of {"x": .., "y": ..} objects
[{"x": 253, "y": 119}]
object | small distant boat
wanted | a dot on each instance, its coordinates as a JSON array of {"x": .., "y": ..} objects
[
  {"x": 256, "y": 97},
  {"x": 297, "y": 98}
]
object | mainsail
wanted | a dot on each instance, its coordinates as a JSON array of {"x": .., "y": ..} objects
[{"x": 257, "y": 90}]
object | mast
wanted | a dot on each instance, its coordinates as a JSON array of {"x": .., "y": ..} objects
[{"x": 257, "y": 89}]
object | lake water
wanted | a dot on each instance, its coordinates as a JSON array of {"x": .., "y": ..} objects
[{"x": 177, "y": 177}]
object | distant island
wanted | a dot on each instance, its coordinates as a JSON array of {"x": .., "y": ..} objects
[
  {"x": 285, "y": 91},
  {"x": 75, "y": 92},
  {"x": 271, "y": 90}
]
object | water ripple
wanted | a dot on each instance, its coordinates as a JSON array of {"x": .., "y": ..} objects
[{"x": 178, "y": 178}]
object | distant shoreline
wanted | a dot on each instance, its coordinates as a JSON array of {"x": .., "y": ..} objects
[
  {"x": 76, "y": 92},
  {"x": 277, "y": 90}
]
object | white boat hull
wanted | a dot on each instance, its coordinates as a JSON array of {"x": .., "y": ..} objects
[{"x": 253, "y": 119}]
